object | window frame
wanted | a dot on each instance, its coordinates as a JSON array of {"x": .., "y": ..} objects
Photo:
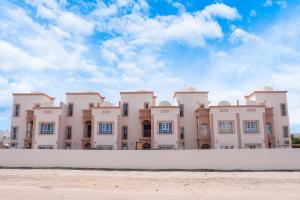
[
  {"x": 181, "y": 110},
  {"x": 106, "y": 132},
  {"x": 125, "y": 111},
  {"x": 226, "y": 132},
  {"x": 166, "y": 132},
  {"x": 70, "y": 109},
  {"x": 285, "y": 134},
  {"x": 247, "y": 130},
  {"x": 283, "y": 112},
  {"x": 47, "y": 123},
  {"x": 123, "y": 132},
  {"x": 69, "y": 133},
  {"x": 12, "y": 133},
  {"x": 17, "y": 113}
]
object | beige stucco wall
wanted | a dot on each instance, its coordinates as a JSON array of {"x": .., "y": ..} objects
[
  {"x": 274, "y": 99},
  {"x": 132, "y": 121},
  {"x": 80, "y": 102},
  {"x": 106, "y": 115},
  {"x": 191, "y": 102},
  {"x": 52, "y": 116},
  {"x": 27, "y": 103},
  {"x": 165, "y": 114},
  {"x": 215, "y": 159},
  {"x": 245, "y": 113}
]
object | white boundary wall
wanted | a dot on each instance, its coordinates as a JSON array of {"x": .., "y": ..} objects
[{"x": 236, "y": 159}]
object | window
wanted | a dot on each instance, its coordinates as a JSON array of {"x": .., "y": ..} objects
[
  {"x": 105, "y": 147},
  {"x": 283, "y": 109},
  {"x": 125, "y": 109},
  {"x": 91, "y": 105},
  {"x": 166, "y": 147},
  {"x": 105, "y": 128},
  {"x": 226, "y": 127},
  {"x": 146, "y": 105},
  {"x": 17, "y": 110},
  {"x": 269, "y": 128},
  {"x": 45, "y": 147},
  {"x": 13, "y": 145},
  {"x": 124, "y": 146},
  {"x": 182, "y": 133},
  {"x": 125, "y": 133},
  {"x": 251, "y": 126},
  {"x": 47, "y": 128},
  {"x": 253, "y": 146},
  {"x": 202, "y": 105},
  {"x": 204, "y": 128},
  {"x": 69, "y": 133},
  {"x": 181, "y": 110},
  {"x": 14, "y": 133},
  {"x": 285, "y": 130},
  {"x": 227, "y": 146},
  {"x": 68, "y": 146},
  {"x": 165, "y": 128},
  {"x": 286, "y": 142},
  {"x": 70, "y": 109},
  {"x": 37, "y": 105}
]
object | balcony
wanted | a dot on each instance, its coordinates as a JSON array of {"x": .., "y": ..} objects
[
  {"x": 145, "y": 114},
  {"x": 202, "y": 113},
  {"x": 29, "y": 116},
  {"x": 87, "y": 115},
  {"x": 145, "y": 139}
]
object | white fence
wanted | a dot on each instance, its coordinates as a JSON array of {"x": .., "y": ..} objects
[{"x": 235, "y": 159}]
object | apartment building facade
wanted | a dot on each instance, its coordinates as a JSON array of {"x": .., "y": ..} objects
[{"x": 138, "y": 122}]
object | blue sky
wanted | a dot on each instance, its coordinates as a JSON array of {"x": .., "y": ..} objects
[{"x": 227, "y": 47}]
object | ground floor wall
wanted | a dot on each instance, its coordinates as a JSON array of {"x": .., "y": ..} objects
[{"x": 214, "y": 159}]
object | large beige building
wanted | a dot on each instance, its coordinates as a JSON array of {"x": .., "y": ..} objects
[{"x": 86, "y": 121}]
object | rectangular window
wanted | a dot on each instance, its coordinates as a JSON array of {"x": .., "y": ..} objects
[
  {"x": 69, "y": 133},
  {"x": 146, "y": 105},
  {"x": 45, "y": 147},
  {"x": 181, "y": 110},
  {"x": 47, "y": 128},
  {"x": 14, "y": 133},
  {"x": 182, "y": 133},
  {"x": 283, "y": 109},
  {"x": 70, "y": 109},
  {"x": 165, "y": 128},
  {"x": 253, "y": 146},
  {"x": 204, "y": 129},
  {"x": 124, "y": 146},
  {"x": 227, "y": 146},
  {"x": 251, "y": 126},
  {"x": 68, "y": 146},
  {"x": 226, "y": 127},
  {"x": 105, "y": 128},
  {"x": 285, "y": 130},
  {"x": 125, "y": 109},
  {"x": 13, "y": 145},
  {"x": 269, "y": 128},
  {"x": 105, "y": 147},
  {"x": 166, "y": 147},
  {"x": 17, "y": 109},
  {"x": 124, "y": 132},
  {"x": 91, "y": 105}
]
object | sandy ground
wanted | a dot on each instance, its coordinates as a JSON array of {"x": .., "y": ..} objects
[{"x": 37, "y": 184}]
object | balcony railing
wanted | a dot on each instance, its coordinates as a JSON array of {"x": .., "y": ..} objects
[
  {"x": 87, "y": 115},
  {"x": 145, "y": 114}
]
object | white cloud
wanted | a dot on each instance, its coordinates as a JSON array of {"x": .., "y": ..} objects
[
  {"x": 241, "y": 35},
  {"x": 253, "y": 13},
  {"x": 268, "y": 3}
]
